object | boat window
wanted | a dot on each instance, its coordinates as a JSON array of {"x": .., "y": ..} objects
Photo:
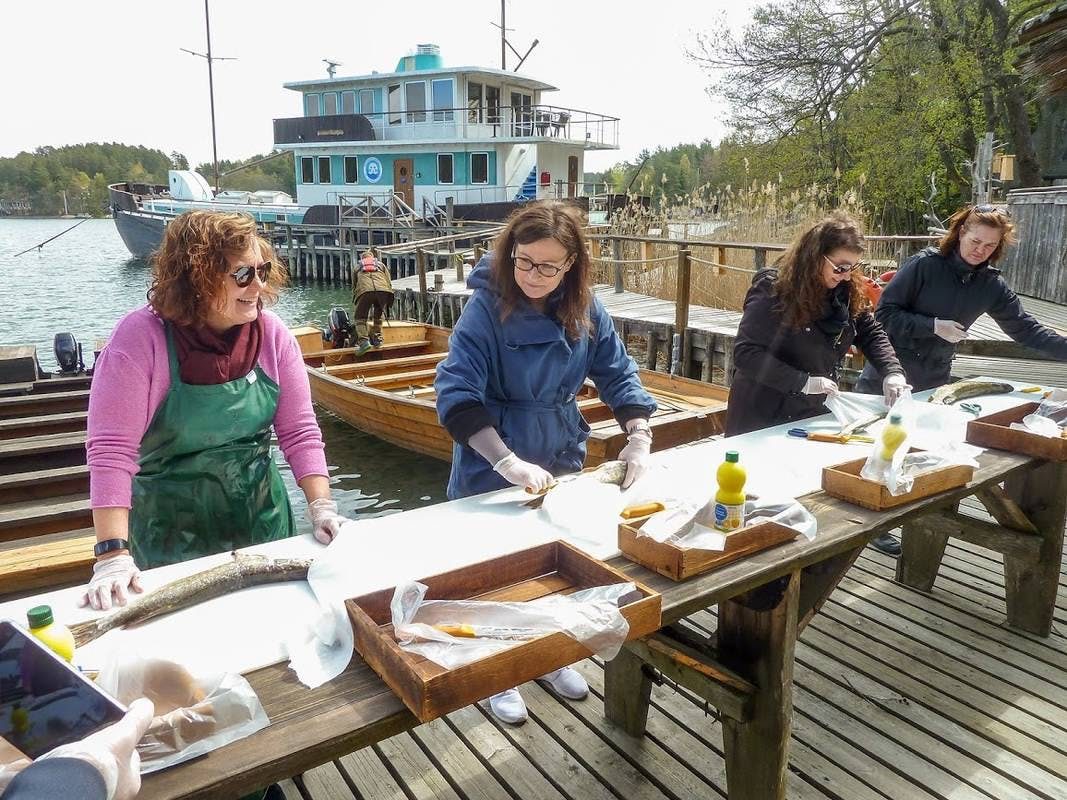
[
  {"x": 366, "y": 101},
  {"x": 348, "y": 102},
  {"x": 351, "y": 169},
  {"x": 324, "y": 169},
  {"x": 307, "y": 170},
  {"x": 444, "y": 167},
  {"x": 395, "y": 117},
  {"x": 479, "y": 168},
  {"x": 521, "y": 116},
  {"x": 443, "y": 99},
  {"x": 492, "y": 104},
  {"x": 329, "y": 103},
  {"x": 311, "y": 105},
  {"x": 415, "y": 95},
  {"x": 474, "y": 102}
]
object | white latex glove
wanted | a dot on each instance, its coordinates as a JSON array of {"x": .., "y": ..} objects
[
  {"x": 950, "y": 330},
  {"x": 522, "y": 473},
  {"x": 894, "y": 387},
  {"x": 635, "y": 454},
  {"x": 113, "y": 751},
  {"x": 111, "y": 578},
  {"x": 325, "y": 519},
  {"x": 820, "y": 385}
]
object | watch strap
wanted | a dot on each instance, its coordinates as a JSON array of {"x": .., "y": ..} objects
[{"x": 109, "y": 546}]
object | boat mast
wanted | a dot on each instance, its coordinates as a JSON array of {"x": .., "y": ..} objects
[
  {"x": 211, "y": 93},
  {"x": 503, "y": 39}
]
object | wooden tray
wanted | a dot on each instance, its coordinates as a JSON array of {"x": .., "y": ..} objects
[
  {"x": 992, "y": 431},
  {"x": 844, "y": 481},
  {"x": 430, "y": 690},
  {"x": 679, "y": 563}
]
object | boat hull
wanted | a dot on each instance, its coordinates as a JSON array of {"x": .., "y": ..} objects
[
  {"x": 141, "y": 233},
  {"x": 389, "y": 394}
]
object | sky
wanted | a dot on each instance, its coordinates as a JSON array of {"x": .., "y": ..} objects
[{"x": 114, "y": 70}]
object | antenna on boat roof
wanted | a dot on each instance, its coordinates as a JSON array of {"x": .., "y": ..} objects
[
  {"x": 211, "y": 90},
  {"x": 331, "y": 66},
  {"x": 505, "y": 45}
]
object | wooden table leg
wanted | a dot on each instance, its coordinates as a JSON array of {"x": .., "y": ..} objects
[
  {"x": 921, "y": 551},
  {"x": 757, "y": 634},
  {"x": 627, "y": 690},
  {"x": 818, "y": 581},
  {"x": 1030, "y": 585}
]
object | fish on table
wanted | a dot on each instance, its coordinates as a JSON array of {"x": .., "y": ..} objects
[
  {"x": 611, "y": 472},
  {"x": 952, "y": 393},
  {"x": 243, "y": 571}
]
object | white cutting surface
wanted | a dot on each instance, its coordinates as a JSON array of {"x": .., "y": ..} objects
[{"x": 247, "y": 629}]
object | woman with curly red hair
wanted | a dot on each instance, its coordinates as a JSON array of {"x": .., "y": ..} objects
[{"x": 183, "y": 400}]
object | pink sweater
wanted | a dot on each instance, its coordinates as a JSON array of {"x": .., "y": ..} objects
[{"x": 130, "y": 381}]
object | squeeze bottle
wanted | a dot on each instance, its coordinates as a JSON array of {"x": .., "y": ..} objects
[
  {"x": 893, "y": 436},
  {"x": 57, "y": 637},
  {"x": 730, "y": 498}
]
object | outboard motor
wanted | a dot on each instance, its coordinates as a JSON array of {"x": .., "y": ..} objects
[
  {"x": 68, "y": 351},
  {"x": 341, "y": 333}
]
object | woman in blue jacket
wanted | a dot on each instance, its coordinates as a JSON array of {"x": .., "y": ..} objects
[{"x": 528, "y": 338}]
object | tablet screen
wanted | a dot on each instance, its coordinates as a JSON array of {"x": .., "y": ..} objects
[{"x": 43, "y": 701}]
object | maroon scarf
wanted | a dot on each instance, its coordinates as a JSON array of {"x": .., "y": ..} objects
[{"x": 206, "y": 358}]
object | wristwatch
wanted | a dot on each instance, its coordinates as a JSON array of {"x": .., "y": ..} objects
[{"x": 110, "y": 545}]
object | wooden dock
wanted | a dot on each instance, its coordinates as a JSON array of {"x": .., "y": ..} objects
[
  {"x": 899, "y": 696},
  {"x": 707, "y": 347}
]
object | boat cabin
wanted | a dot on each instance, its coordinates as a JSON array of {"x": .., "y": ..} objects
[{"x": 426, "y": 133}]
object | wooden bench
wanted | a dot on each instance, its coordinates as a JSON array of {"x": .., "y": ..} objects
[
  {"x": 46, "y": 561},
  {"x": 41, "y": 483},
  {"x": 34, "y": 403},
  {"x": 31, "y": 518},
  {"x": 42, "y": 452},
  {"x": 345, "y": 354}
]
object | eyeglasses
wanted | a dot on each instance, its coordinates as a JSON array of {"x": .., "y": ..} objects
[
  {"x": 242, "y": 276},
  {"x": 841, "y": 269},
  {"x": 546, "y": 270},
  {"x": 989, "y": 208}
]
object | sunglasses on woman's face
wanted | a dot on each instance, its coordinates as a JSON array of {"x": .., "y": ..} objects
[
  {"x": 242, "y": 276},
  {"x": 841, "y": 269},
  {"x": 989, "y": 208}
]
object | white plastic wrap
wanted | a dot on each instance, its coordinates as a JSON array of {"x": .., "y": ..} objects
[
  {"x": 691, "y": 527},
  {"x": 891, "y": 471},
  {"x": 849, "y": 407},
  {"x": 591, "y": 616},
  {"x": 1050, "y": 418},
  {"x": 194, "y": 714}
]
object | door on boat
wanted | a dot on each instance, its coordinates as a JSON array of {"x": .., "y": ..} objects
[
  {"x": 572, "y": 176},
  {"x": 403, "y": 183}
]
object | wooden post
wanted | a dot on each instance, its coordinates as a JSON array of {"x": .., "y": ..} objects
[
  {"x": 289, "y": 250},
  {"x": 420, "y": 265},
  {"x": 759, "y": 631},
  {"x": 921, "y": 551},
  {"x": 722, "y": 260},
  {"x": 449, "y": 208},
  {"x": 627, "y": 692},
  {"x": 652, "y": 350},
  {"x": 458, "y": 261},
  {"x": 759, "y": 258},
  {"x": 681, "y": 309},
  {"x": 616, "y": 255},
  {"x": 1030, "y": 586}
]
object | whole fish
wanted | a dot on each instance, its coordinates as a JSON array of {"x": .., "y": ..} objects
[
  {"x": 608, "y": 472},
  {"x": 961, "y": 390},
  {"x": 243, "y": 571}
]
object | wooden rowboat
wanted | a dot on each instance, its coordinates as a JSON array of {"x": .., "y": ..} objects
[{"x": 388, "y": 392}]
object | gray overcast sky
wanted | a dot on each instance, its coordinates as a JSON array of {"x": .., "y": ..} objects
[{"x": 113, "y": 71}]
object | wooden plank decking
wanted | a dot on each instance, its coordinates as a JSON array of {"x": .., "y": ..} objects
[{"x": 899, "y": 695}]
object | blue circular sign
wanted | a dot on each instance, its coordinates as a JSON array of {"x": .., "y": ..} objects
[{"x": 372, "y": 169}]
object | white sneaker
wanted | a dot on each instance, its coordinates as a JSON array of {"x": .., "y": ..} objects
[
  {"x": 508, "y": 706},
  {"x": 566, "y": 682}
]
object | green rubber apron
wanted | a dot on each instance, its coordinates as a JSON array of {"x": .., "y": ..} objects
[{"x": 207, "y": 482}]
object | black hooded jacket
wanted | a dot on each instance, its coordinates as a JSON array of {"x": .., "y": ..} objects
[{"x": 930, "y": 286}]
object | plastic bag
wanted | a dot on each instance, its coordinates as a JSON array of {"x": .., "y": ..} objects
[
  {"x": 889, "y": 471},
  {"x": 849, "y": 407},
  {"x": 691, "y": 526},
  {"x": 591, "y": 616},
  {"x": 1050, "y": 419},
  {"x": 194, "y": 714}
]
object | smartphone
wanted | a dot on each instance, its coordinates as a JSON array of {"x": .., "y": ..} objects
[{"x": 44, "y": 701}]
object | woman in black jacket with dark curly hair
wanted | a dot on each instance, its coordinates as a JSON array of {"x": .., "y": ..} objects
[{"x": 799, "y": 320}]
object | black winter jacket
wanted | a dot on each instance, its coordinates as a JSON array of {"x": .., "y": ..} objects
[
  {"x": 929, "y": 285},
  {"x": 774, "y": 360}
]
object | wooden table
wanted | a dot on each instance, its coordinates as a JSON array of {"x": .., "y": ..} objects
[{"x": 764, "y": 601}]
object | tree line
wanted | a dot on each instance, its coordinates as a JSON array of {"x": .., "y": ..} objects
[
  {"x": 886, "y": 99},
  {"x": 80, "y": 174}
]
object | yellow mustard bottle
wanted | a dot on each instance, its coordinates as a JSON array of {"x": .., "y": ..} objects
[
  {"x": 893, "y": 436},
  {"x": 730, "y": 498},
  {"x": 58, "y": 637}
]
